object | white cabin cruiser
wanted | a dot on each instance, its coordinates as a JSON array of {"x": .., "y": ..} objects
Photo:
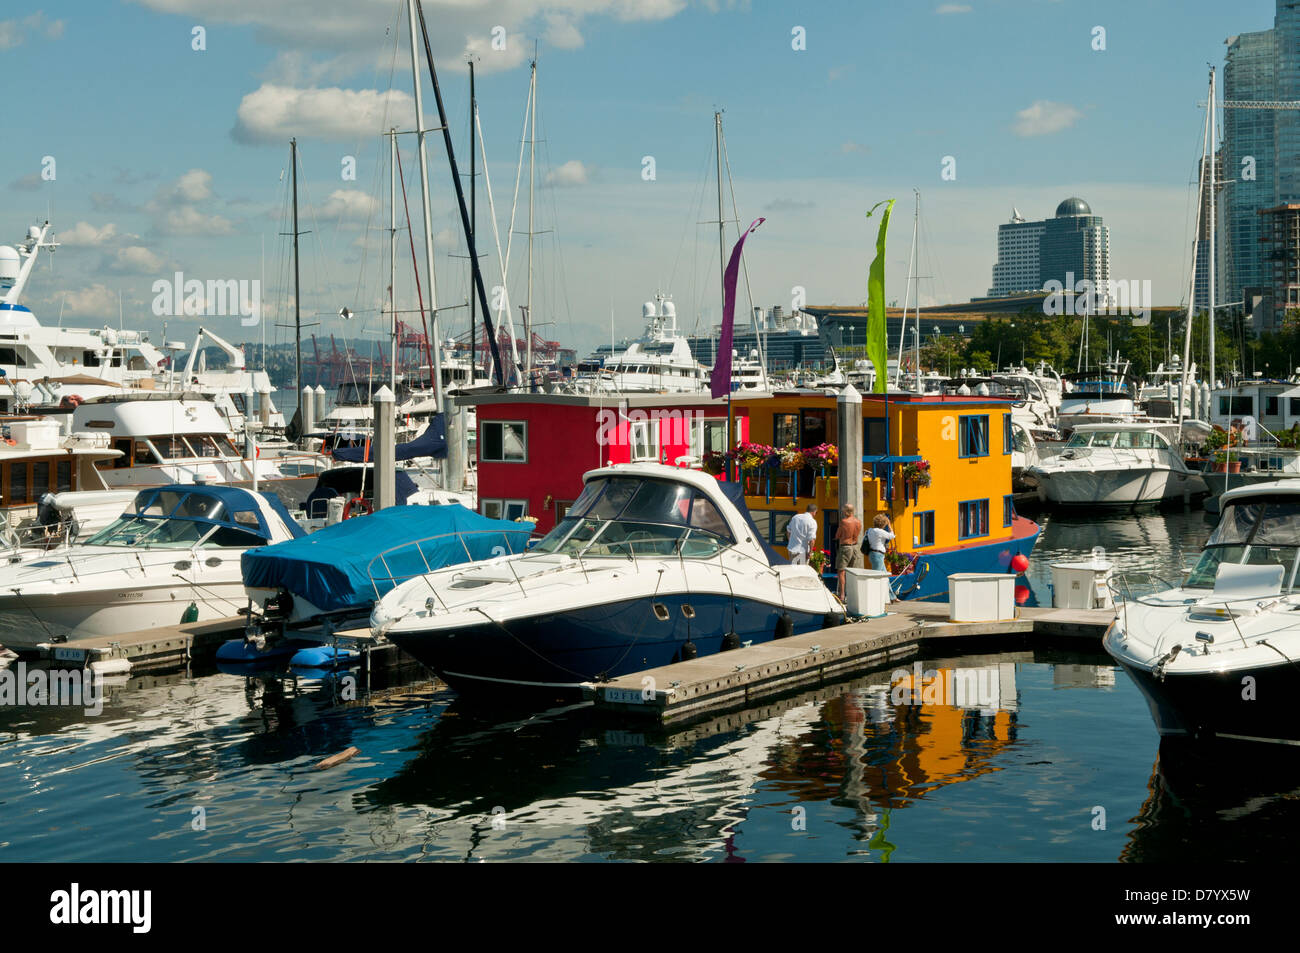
[
  {"x": 660, "y": 361},
  {"x": 651, "y": 565},
  {"x": 1216, "y": 656},
  {"x": 1116, "y": 464},
  {"x": 173, "y": 556}
]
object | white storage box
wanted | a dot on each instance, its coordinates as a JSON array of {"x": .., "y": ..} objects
[
  {"x": 35, "y": 434},
  {"x": 1082, "y": 585},
  {"x": 866, "y": 592},
  {"x": 981, "y": 597}
]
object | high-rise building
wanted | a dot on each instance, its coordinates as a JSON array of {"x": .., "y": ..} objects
[
  {"x": 1016, "y": 269},
  {"x": 1069, "y": 248},
  {"x": 1250, "y": 159}
]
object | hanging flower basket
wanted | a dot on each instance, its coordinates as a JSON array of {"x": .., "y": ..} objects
[
  {"x": 918, "y": 473},
  {"x": 821, "y": 456},
  {"x": 792, "y": 458},
  {"x": 714, "y": 462},
  {"x": 753, "y": 456}
]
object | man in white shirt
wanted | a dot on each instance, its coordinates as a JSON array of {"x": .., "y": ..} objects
[{"x": 802, "y": 530}]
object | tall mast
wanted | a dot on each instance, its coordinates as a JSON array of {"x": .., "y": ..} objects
[
  {"x": 907, "y": 290},
  {"x": 722, "y": 226},
  {"x": 297, "y": 309},
  {"x": 428, "y": 219},
  {"x": 392, "y": 255},
  {"x": 473, "y": 211},
  {"x": 916, "y": 301},
  {"x": 1210, "y": 201},
  {"x": 532, "y": 159},
  {"x": 1191, "y": 290}
]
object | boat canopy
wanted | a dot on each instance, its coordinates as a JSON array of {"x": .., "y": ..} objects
[
  {"x": 256, "y": 515},
  {"x": 332, "y": 568},
  {"x": 431, "y": 443}
]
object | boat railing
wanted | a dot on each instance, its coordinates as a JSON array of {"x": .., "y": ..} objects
[
  {"x": 1123, "y": 593},
  {"x": 393, "y": 579},
  {"x": 42, "y": 537}
]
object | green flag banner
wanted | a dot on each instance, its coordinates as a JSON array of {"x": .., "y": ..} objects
[{"x": 877, "y": 347}]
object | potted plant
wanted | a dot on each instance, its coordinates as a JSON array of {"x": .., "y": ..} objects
[
  {"x": 714, "y": 462},
  {"x": 918, "y": 473},
  {"x": 895, "y": 562},
  {"x": 1223, "y": 465},
  {"x": 817, "y": 559}
]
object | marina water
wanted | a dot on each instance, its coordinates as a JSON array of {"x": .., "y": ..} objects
[{"x": 1054, "y": 757}]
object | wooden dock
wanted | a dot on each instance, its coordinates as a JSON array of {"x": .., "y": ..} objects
[
  {"x": 162, "y": 648},
  {"x": 704, "y": 686}
]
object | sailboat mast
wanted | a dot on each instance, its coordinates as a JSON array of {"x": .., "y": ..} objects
[
  {"x": 1191, "y": 290},
  {"x": 907, "y": 290},
  {"x": 473, "y": 213},
  {"x": 436, "y": 344},
  {"x": 392, "y": 256},
  {"x": 916, "y": 301},
  {"x": 1210, "y": 201},
  {"x": 297, "y": 309},
  {"x": 722, "y": 227},
  {"x": 532, "y": 161}
]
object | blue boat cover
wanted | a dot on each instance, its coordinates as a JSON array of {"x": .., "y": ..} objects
[
  {"x": 431, "y": 443},
  {"x": 332, "y": 567}
]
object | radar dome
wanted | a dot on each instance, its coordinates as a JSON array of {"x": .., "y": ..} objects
[
  {"x": 10, "y": 263},
  {"x": 648, "y": 309},
  {"x": 669, "y": 310},
  {"x": 1072, "y": 206}
]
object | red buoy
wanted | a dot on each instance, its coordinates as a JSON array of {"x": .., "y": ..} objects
[{"x": 1019, "y": 562}]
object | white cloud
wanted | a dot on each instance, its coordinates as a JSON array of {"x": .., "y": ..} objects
[
  {"x": 572, "y": 172},
  {"x": 350, "y": 205},
  {"x": 83, "y": 233},
  {"x": 948, "y": 8},
  {"x": 98, "y": 301},
  {"x": 272, "y": 113},
  {"x": 15, "y": 32},
  {"x": 194, "y": 186},
  {"x": 137, "y": 260},
  {"x": 187, "y": 220},
  {"x": 1045, "y": 117},
  {"x": 561, "y": 33},
  {"x": 848, "y": 147}
]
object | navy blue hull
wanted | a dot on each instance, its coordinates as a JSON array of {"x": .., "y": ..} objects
[
  {"x": 1212, "y": 705},
  {"x": 594, "y": 643},
  {"x": 933, "y": 569}
]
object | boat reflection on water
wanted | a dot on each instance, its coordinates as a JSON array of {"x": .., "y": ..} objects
[
  {"x": 1218, "y": 802},
  {"x": 560, "y": 784}
]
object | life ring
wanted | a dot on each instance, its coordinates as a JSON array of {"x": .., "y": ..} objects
[
  {"x": 361, "y": 503},
  {"x": 71, "y": 402}
]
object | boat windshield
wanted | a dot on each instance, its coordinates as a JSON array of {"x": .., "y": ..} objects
[
  {"x": 171, "y": 520},
  {"x": 1256, "y": 531},
  {"x": 625, "y": 516}
]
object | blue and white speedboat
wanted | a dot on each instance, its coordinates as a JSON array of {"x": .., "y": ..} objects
[
  {"x": 1216, "y": 657},
  {"x": 652, "y": 564},
  {"x": 173, "y": 556}
]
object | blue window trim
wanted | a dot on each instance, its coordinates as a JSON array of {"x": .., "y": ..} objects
[
  {"x": 961, "y": 508},
  {"x": 1008, "y": 509},
  {"x": 1006, "y": 434},
  {"x": 963, "y": 425},
  {"x": 915, "y": 517}
]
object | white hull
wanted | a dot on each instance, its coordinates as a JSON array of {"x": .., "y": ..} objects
[{"x": 1115, "y": 487}]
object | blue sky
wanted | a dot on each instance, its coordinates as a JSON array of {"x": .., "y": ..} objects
[{"x": 171, "y": 159}]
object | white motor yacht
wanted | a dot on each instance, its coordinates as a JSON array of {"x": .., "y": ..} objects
[{"x": 1116, "y": 464}]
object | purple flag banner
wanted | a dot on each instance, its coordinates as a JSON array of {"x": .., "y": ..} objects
[{"x": 720, "y": 378}]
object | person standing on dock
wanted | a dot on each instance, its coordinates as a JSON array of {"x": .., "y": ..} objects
[
  {"x": 878, "y": 538},
  {"x": 849, "y": 537},
  {"x": 802, "y": 531}
]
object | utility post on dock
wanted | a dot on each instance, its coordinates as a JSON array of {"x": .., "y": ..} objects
[
  {"x": 383, "y": 449},
  {"x": 456, "y": 445},
  {"x": 307, "y": 409},
  {"x": 848, "y": 408}
]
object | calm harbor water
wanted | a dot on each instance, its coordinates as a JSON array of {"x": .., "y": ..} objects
[{"x": 1012, "y": 756}]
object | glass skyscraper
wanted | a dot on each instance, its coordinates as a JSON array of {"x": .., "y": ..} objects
[{"x": 1250, "y": 148}]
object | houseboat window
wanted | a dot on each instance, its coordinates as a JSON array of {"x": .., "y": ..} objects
[
  {"x": 785, "y": 429},
  {"x": 40, "y": 478},
  {"x": 873, "y": 437},
  {"x": 781, "y": 528},
  {"x": 516, "y": 509},
  {"x": 974, "y": 435},
  {"x": 503, "y": 441},
  {"x": 973, "y": 519},
  {"x": 1270, "y": 405},
  {"x": 1008, "y": 510},
  {"x": 763, "y": 522},
  {"x": 18, "y": 483},
  {"x": 708, "y": 436},
  {"x": 63, "y": 476},
  {"x": 490, "y": 508},
  {"x": 923, "y": 528},
  {"x": 812, "y": 428},
  {"x": 1008, "y": 441},
  {"x": 1239, "y": 404},
  {"x": 645, "y": 440}
]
